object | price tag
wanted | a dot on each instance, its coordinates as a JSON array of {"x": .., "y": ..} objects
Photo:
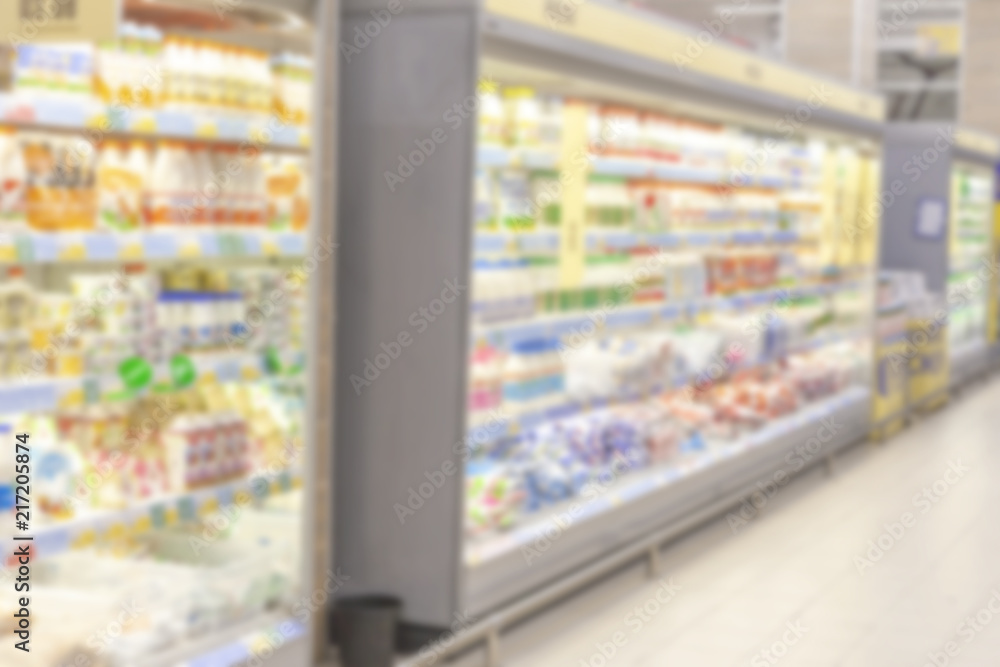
[
  {"x": 207, "y": 130},
  {"x": 84, "y": 539},
  {"x": 250, "y": 373},
  {"x": 269, "y": 248},
  {"x": 75, "y": 251},
  {"x": 189, "y": 249},
  {"x": 145, "y": 125},
  {"x": 8, "y": 252},
  {"x": 100, "y": 121},
  {"x": 72, "y": 399},
  {"x": 132, "y": 250},
  {"x": 208, "y": 507},
  {"x": 116, "y": 532},
  {"x": 142, "y": 525}
]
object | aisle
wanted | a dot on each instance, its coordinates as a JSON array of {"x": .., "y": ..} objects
[{"x": 804, "y": 584}]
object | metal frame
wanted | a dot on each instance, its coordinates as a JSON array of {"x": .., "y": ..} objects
[
  {"x": 488, "y": 632},
  {"x": 397, "y": 249}
]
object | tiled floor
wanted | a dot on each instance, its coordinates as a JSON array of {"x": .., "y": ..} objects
[{"x": 792, "y": 583}]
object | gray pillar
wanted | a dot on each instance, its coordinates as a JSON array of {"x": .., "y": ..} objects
[{"x": 404, "y": 244}]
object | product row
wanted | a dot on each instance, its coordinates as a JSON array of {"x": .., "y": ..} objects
[
  {"x": 540, "y": 376},
  {"x": 145, "y": 447},
  {"x": 177, "y": 585},
  {"x": 970, "y": 245},
  {"x": 144, "y": 68},
  {"x": 565, "y": 458},
  {"x": 104, "y": 319},
  {"x": 58, "y": 183},
  {"x": 518, "y": 288},
  {"x": 520, "y": 117},
  {"x": 522, "y": 200}
]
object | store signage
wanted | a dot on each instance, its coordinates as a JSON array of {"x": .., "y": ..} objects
[
  {"x": 32, "y": 21},
  {"x": 932, "y": 218}
]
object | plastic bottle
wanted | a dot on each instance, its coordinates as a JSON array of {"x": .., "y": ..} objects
[
  {"x": 170, "y": 191},
  {"x": 491, "y": 119},
  {"x": 137, "y": 166},
  {"x": 523, "y": 115},
  {"x": 18, "y": 300},
  {"x": 202, "y": 176}
]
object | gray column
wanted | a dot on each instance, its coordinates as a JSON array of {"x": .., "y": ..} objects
[{"x": 405, "y": 187}]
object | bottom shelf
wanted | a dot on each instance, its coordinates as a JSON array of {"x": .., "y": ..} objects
[
  {"x": 967, "y": 360},
  {"x": 274, "y": 639},
  {"x": 503, "y": 566}
]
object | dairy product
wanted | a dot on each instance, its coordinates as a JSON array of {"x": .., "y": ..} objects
[
  {"x": 121, "y": 181},
  {"x": 523, "y": 115},
  {"x": 170, "y": 196},
  {"x": 533, "y": 376}
]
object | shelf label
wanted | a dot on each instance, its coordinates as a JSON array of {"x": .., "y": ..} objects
[
  {"x": 131, "y": 250},
  {"x": 206, "y": 130},
  {"x": 183, "y": 371},
  {"x": 74, "y": 251},
  {"x": 135, "y": 372},
  {"x": 190, "y": 249}
]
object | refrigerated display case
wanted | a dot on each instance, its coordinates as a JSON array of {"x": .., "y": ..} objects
[
  {"x": 665, "y": 279},
  {"x": 940, "y": 229},
  {"x": 972, "y": 276},
  {"x": 162, "y": 226}
]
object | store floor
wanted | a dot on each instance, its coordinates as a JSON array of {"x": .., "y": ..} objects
[{"x": 804, "y": 581}]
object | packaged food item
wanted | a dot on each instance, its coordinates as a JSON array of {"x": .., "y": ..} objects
[
  {"x": 492, "y": 120},
  {"x": 485, "y": 383},
  {"x": 550, "y": 124},
  {"x": 621, "y": 131},
  {"x": 484, "y": 214},
  {"x": 513, "y": 199},
  {"x": 202, "y": 180},
  {"x": 608, "y": 202},
  {"x": 171, "y": 188},
  {"x": 523, "y": 115},
  {"x": 121, "y": 182},
  {"x": 546, "y": 204},
  {"x": 54, "y": 69},
  {"x": 492, "y": 497},
  {"x": 13, "y": 182},
  {"x": 532, "y": 376},
  {"x": 284, "y": 177},
  {"x": 293, "y": 81}
]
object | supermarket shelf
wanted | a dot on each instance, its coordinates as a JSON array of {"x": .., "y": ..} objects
[
  {"x": 79, "y": 116},
  {"x": 548, "y": 241},
  {"x": 628, "y": 167},
  {"x": 485, "y": 437},
  {"x": 551, "y": 326},
  {"x": 497, "y": 571},
  {"x": 92, "y": 527},
  {"x": 235, "y": 645},
  {"x": 39, "y": 247},
  {"x": 49, "y": 393},
  {"x": 966, "y": 361}
]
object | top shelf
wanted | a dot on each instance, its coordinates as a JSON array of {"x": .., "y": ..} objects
[
  {"x": 640, "y": 42},
  {"x": 67, "y": 115}
]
